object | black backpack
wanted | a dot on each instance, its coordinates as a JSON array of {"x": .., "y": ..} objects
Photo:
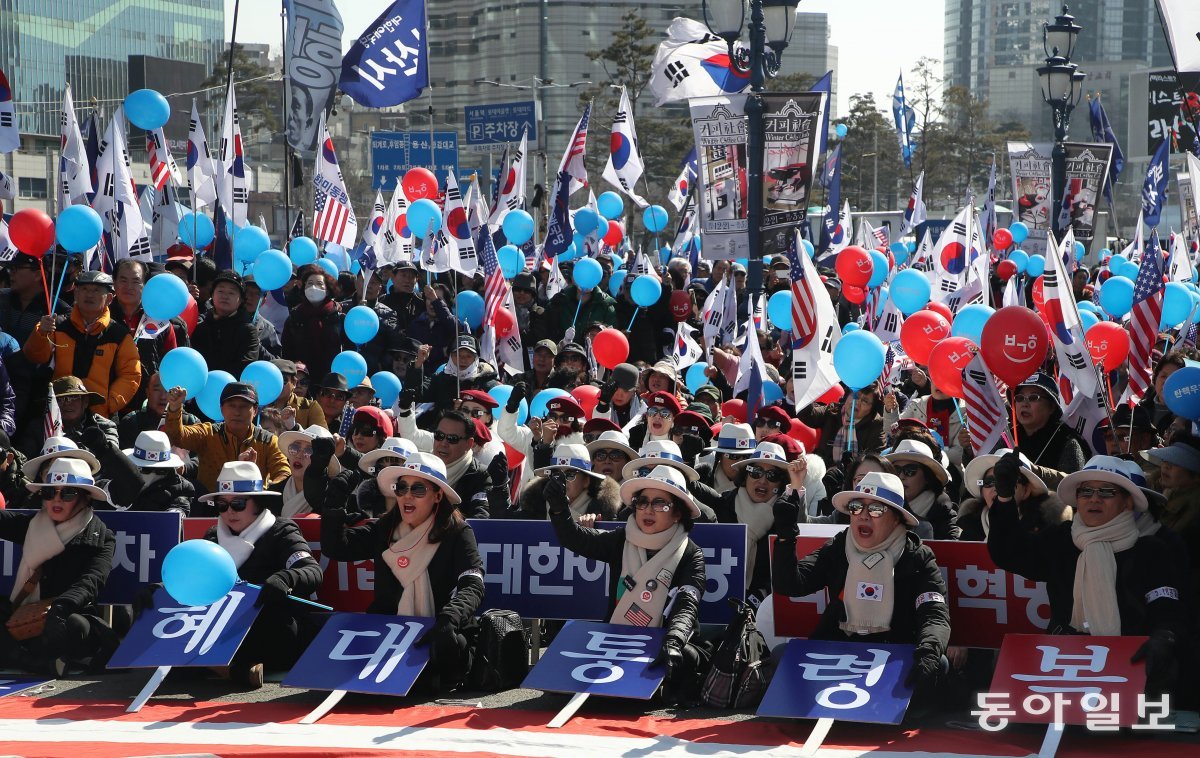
[
  {"x": 738, "y": 677},
  {"x": 501, "y": 652}
]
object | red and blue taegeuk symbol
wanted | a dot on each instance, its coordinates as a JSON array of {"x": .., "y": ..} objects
[
  {"x": 723, "y": 74},
  {"x": 328, "y": 153},
  {"x": 954, "y": 257},
  {"x": 620, "y": 148},
  {"x": 456, "y": 221}
]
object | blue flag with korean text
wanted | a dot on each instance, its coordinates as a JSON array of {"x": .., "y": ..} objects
[
  {"x": 905, "y": 116},
  {"x": 558, "y": 230},
  {"x": 832, "y": 179},
  {"x": 1154, "y": 190},
  {"x": 1102, "y": 131},
  {"x": 824, "y": 84},
  {"x": 389, "y": 63}
]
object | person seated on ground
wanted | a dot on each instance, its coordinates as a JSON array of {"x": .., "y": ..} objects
[
  {"x": 67, "y": 554},
  {"x": 884, "y": 585},
  {"x": 1103, "y": 576},
  {"x": 163, "y": 486},
  {"x": 734, "y": 442},
  {"x": 434, "y": 569},
  {"x": 656, "y": 573},
  {"x": 1054, "y": 447},
  {"x": 610, "y": 452},
  {"x": 1038, "y": 508},
  {"x": 591, "y": 495},
  {"x": 298, "y": 447},
  {"x": 925, "y": 480}
]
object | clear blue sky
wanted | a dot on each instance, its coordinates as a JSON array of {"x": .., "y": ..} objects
[{"x": 875, "y": 38}]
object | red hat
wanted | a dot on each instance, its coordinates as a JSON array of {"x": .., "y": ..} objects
[
  {"x": 380, "y": 418},
  {"x": 775, "y": 413},
  {"x": 662, "y": 399},
  {"x": 792, "y": 449},
  {"x": 735, "y": 408},
  {"x": 566, "y": 405},
  {"x": 479, "y": 396},
  {"x": 691, "y": 418},
  {"x": 600, "y": 425},
  {"x": 482, "y": 434}
]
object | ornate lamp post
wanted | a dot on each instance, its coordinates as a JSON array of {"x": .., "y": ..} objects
[{"x": 1062, "y": 88}]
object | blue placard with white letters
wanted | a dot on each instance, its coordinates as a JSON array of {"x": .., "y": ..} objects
[
  {"x": 143, "y": 540},
  {"x": 363, "y": 652},
  {"x": 173, "y": 634},
  {"x": 394, "y": 153},
  {"x": 495, "y": 125},
  {"x": 847, "y": 681},
  {"x": 601, "y": 659}
]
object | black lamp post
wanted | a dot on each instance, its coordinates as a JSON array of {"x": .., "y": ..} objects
[
  {"x": 1062, "y": 87},
  {"x": 771, "y": 25}
]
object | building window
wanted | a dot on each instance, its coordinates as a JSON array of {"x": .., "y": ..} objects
[{"x": 32, "y": 188}]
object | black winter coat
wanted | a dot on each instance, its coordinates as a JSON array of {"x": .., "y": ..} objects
[
  {"x": 606, "y": 503},
  {"x": 1036, "y": 514},
  {"x": 283, "y": 551},
  {"x": 75, "y": 576},
  {"x": 165, "y": 493},
  {"x": 759, "y": 585},
  {"x": 940, "y": 522},
  {"x": 455, "y": 572},
  {"x": 1055, "y": 450},
  {"x": 230, "y": 343},
  {"x": 608, "y": 545},
  {"x": 916, "y": 574},
  {"x": 480, "y": 496}
]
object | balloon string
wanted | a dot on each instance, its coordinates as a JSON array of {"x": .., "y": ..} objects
[
  {"x": 58, "y": 290},
  {"x": 579, "y": 305},
  {"x": 635, "y": 313},
  {"x": 1013, "y": 407},
  {"x": 261, "y": 300},
  {"x": 46, "y": 287},
  {"x": 850, "y": 435}
]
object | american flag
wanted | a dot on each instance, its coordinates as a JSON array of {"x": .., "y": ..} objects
[
  {"x": 495, "y": 288},
  {"x": 638, "y": 617},
  {"x": 297, "y": 229},
  {"x": 894, "y": 362},
  {"x": 985, "y": 408},
  {"x": 572, "y": 162},
  {"x": 329, "y": 217},
  {"x": 1144, "y": 319},
  {"x": 162, "y": 165},
  {"x": 333, "y": 214},
  {"x": 804, "y": 307}
]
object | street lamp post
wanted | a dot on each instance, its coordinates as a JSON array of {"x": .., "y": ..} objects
[
  {"x": 1062, "y": 87},
  {"x": 770, "y": 30}
]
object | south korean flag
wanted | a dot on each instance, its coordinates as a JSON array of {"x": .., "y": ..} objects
[{"x": 869, "y": 591}]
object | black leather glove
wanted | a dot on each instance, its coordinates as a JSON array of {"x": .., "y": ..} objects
[
  {"x": 926, "y": 665},
  {"x": 54, "y": 634},
  {"x": 274, "y": 592},
  {"x": 692, "y": 447},
  {"x": 498, "y": 470},
  {"x": 1162, "y": 664},
  {"x": 408, "y": 396},
  {"x": 787, "y": 516},
  {"x": 339, "y": 490},
  {"x": 441, "y": 626},
  {"x": 94, "y": 440},
  {"x": 670, "y": 656},
  {"x": 322, "y": 452},
  {"x": 555, "y": 492},
  {"x": 144, "y": 599},
  {"x": 519, "y": 391},
  {"x": 607, "y": 390},
  {"x": 1007, "y": 472}
]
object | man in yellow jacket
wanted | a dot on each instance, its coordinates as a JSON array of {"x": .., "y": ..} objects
[{"x": 89, "y": 344}]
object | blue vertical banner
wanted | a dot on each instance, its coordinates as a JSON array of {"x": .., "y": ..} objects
[{"x": 389, "y": 62}]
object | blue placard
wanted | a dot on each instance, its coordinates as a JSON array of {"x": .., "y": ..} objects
[
  {"x": 171, "y": 634},
  {"x": 394, "y": 153},
  {"x": 847, "y": 681},
  {"x": 500, "y": 124},
  {"x": 143, "y": 540},
  {"x": 600, "y": 659},
  {"x": 526, "y": 570},
  {"x": 13, "y": 685},
  {"x": 363, "y": 652}
]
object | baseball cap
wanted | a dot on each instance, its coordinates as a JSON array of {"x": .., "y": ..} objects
[{"x": 239, "y": 389}]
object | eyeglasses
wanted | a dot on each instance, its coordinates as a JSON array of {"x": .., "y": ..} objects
[
  {"x": 772, "y": 475},
  {"x": 616, "y": 456},
  {"x": 987, "y": 482},
  {"x": 365, "y": 430},
  {"x": 1031, "y": 397},
  {"x": 560, "y": 418},
  {"x": 658, "y": 504},
  {"x": 65, "y": 494},
  {"x": 300, "y": 449},
  {"x": 664, "y": 412},
  {"x": 237, "y": 504},
  {"x": 773, "y": 423},
  {"x": 1104, "y": 493},
  {"x": 418, "y": 490},
  {"x": 453, "y": 439},
  {"x": 910, "y": 470},
  {"x": 335, "y": 394},
  {"x": 475, "y": 412},
  {"x": 681, "y": 430},
  {"x": 568, "y": 474},
  {"x": 874, "y": 510}
]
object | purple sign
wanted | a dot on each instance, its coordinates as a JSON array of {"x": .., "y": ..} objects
[
  {"x": 847, "y": 681},
  {"x": 363, "y": 652},
  {"x": 600, "y": 659},
  {"x": 173, "y": 635}
]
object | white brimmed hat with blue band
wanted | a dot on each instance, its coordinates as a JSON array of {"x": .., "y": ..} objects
[
  {"x": 58, "y": 447},
  {"x": 152, "y": 449},
  {"x": 733, "y": 439},
  {"x": 423, "y": 466},
  {"x": 392, "y": 447},
  {"x": 655, "y": 452},
  {"x": 766, "y": 454},
  {"x": 877, "y": 487},
  {"x": 915, "y": 451},
  {"x": 661, "y": 477},
  {"x": 71, "y": 472},
  {"x": 570, "y": 456},
  {"x": 1106, "y": 468},
  {"x": 612, "y": 440},
  {"x": 980, "y": 464},
  {"x": 239, "y": 478}
]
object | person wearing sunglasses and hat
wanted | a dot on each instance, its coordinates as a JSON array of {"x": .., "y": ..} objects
[
  {"x": 226, "y": 335},
  {"x": 591, "y": 495},
  {"x": 656, "y": 576},
  {"x": 657, "y": 418},
  {"x": 610, "y": 453},
  {"x": 925, "y": 480},
  {"x": 619, "y": 402},
  {"x": 66, "y": 557},
  {"x": 333, "y": 396},
  {"x": 297, "y": 445},
  {"x": 296, "y": 411},
  {"x": 1103, "y": 575},
  {"x": 369, "y": 427},
  {"x": 427, "y": 558},
  {"x": 883, "y": 584},
  {"x": 1054, "y": 447},
  {"x": 163, "y": 486},
  {"x": 1038, "y": 507}
]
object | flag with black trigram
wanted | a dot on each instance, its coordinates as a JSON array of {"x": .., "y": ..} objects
[
  {"x": 813, "y": 373},
  {"x": 1061, "y": 315}
]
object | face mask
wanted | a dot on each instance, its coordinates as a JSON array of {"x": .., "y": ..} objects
[{"x": 314, "y": 294}]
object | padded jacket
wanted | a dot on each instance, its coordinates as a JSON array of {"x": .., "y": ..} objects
[
  {"x": 105, "y": 349},
  {"x": 77, "y": 574}
]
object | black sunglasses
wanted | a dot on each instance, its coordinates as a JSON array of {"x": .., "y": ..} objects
[
  {"x": 773, "y": 423},
  {"x": 335, "y": 394},
  {"x": 366, "y": 430},
  {"x": 65, "y": 494},
  {"x": 418, "y": 490},
  {"x": 773, "y": 474},
  {"x": 237, "y": 504},
  {"x": 602, "y": 456},
  {"x": 453, "y": 439}
]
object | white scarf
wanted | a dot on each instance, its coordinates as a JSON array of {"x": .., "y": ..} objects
[
  {"x": 721, "y": 483},
  {"x": 643, "y": 603},
  {"x": 454, "y": 471},
  {"x": 45, "y": 539},
  {"x": 468, "y": 373},
  {"x": 1095, "y": 608},
  {"x": 294, "y": 503},
  {"x": 870, "y": 590},
  {"x": 758, "y": 518},
  {"x": 655, "y": 437},
  {"x": 408, "y": 557},
  {"x": 921, "y": 504},
  {"x": 240, "y": 546}
]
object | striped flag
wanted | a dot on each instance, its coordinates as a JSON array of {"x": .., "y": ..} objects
[
  {"x": 1144, "y": 319},
  {"x": 572, "y": 162},
  {"x": 804, "y": 305},
  {"x": 333, "y": 215},
  {"x": 985, "y": 408},
  {"x": 162, "y": 165},
  {"x": 297, "y": 229}
]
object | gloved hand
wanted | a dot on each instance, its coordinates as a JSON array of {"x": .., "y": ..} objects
[
  {"x": 338, "y": 492},
  {"x": 441, "y": 626},
  {"x": 408, "y": 396},
  {"x": 519, "y": 391},
  {"x": 94, "y": 440},
  {"x": 692, "y": 446},
  {"x": 274, "y": 592},
  {"x": 54, "y": 634},
  {"x": 787, "y": 516},
  {"x": 670, "y": 656},
  {"x": 322, "y": 453},
  {"x": 555, "y": 492},
  {"x": 607, "y": 390},
  {"x": 144, "y": 599},
  {"x": 498, "y": 470},
  {"x": 926, "y": 665},
  {"x": 1007, "y": 472},
  {"x": 1162, "y": 665}
]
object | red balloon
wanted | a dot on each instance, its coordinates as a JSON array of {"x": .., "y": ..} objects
[
  {"x": 419, "y": 183},
  {"x": 834, "y": 394},
  {"x": 1014, "y": 344},
  {"x": 504, "y": 322},
  {"x": 1002, "y": 239},
  {"x": 920, "y": 332},
  {"x": 805, "y": 435},
  {"x": 1039, "y": 294},
  {"x": 735, "y": 408},
  {"x": 854, "y": 294},
  {"x": 611, "y": 347},
  {"x": 1108, "y": 343},
  {"x": 854, "y": 266},
  {"x": 947, "y": 361},
  {"x": 31, "y": 231},
  {"x": 1006, "y": 270},
  {"x": 940, "y": 308},
  {"x": 681, "y": 305},
  {"x": 614, "y": 235},
  {"x": 190, "y": 315},
  {"x": 588, "y": 396}
]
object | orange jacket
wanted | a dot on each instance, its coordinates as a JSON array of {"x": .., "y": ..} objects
[{"x": 115, "y": 372}]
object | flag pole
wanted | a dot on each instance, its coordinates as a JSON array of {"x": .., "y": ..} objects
[{"x": 287, "y": 148}]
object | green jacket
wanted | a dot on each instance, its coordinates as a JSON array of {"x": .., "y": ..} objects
[{"x": 599, "y": 309}]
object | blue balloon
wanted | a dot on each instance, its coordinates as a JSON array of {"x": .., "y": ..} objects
[
  {"x": 610, "y": 205},
  {"x": 272, "y": 269},
  {"x": 518, "y": 227},
  {"x": 879, "y": 269},
  {"x": 329, "y": 266},
  {"x": 1116, "y": 260},
  {"x": 78, "y": 228},
  {"x": 858, "y": 359},
  {"x": 1128, "y": 269},
  {"x": 469, "y": 307},
  {"x": 570, "y": 254},
  {"x": 655, "y": 219},
  {"x": 196, "y": 230},
  {"x": 912, "y": 247},
  {"x": 771, "y": 392},
  {"x": 1088, "y": 305},
  {"x": 387, "y": 387},
  {"x": 501, "y": 392},
  {"x": 351, "y": 365},
  {"x": 266, "y": 378},
  {"x": 1182, "y": 392},
  {"x": 809, "y": 250},
  {"x": 841, "y": 131},
  {"x": 1020, "y": 258},
  {"x": 1116, "y": 295},
  {"x": 361, "y": 324},
  {"x": 198, "y": 572},
  {"x": 579, "y": 241},
  {"x": 587, "y": 273},
  {"x": 249, "y": 242},
  {"x": 1177, "y": 304},
  {"x": 1088, "y": 319},
  {"x": 147, "y": 109},
  {"x": 1080, "y": 251},
  {"x": 512, "y": 261},
  {"x": 424, "y": 217},
  {"x": 1036, "y": 266},
  {"x": 645, "y": 290},
  {"x": 183, "y": 367},
  {"x": 164, "y": 299},
  {"x": 586, "y": 220},
  {"x": 969, "y": 321},
  {"x": 899, "y": 252},
  {"x": 694, "y": 377},
  {"x": 537, "y": 408},
  {"x": 1019, "y": 232},
  {"x": 209, "y": 398},
  {"x": 779, "y": 309},
  {"x": 615, "y": 280},
  {"x": 336, "y": 254},
  {"x": 881, "y": 302},
  {"x": 302, "y": 251},
  {"x": 910, "y": 291},
  {"x": 850, "y": 326}
]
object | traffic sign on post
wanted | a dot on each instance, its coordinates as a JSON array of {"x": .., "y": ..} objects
[
  {"x": 394, "y": 153},
  {"x": 491, "y": 127}
]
